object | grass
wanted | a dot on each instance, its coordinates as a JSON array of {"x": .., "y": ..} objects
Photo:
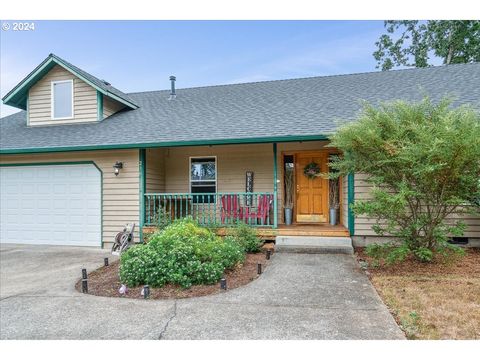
[{"x": 432, "y": 301}]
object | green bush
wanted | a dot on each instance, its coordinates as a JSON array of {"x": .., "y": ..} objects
[
  {"x": 246, "y": 236},
  {"x": 162, "y": 218},
  {"x": 421, "y": 161},
  {"x": 183, "y": 253}
]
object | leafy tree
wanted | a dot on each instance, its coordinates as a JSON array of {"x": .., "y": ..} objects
[
  {"x": 455, "y": 41},
  {"x": 423, "y": 163}
]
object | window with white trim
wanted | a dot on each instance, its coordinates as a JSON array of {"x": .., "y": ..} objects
[
  {"x": 62, "y": 99},
  {"x": 203, "y": 178}
]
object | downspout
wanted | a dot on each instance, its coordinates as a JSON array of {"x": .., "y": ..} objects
[
  {"x": 142, "y": 167},
  {"x": 275, "y": 187}
]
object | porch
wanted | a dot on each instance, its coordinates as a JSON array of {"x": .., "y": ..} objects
[{"x": 220, "y": 185}]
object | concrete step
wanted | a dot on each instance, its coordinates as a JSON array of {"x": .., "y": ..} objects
[{"x": 314, "y": 244}]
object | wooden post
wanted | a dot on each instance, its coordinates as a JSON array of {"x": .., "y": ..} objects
[{"x": 275, "y": 186}]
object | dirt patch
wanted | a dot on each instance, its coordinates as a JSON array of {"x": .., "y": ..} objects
[
  {"x": 105, "y": 281},
  {"x": 439, "y": 300}
]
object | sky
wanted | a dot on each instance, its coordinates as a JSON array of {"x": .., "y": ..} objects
[{"x": 141, "y": 55}]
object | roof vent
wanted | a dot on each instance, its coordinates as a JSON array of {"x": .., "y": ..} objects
[
  {"x": 106, "y": 82},
  {"x": 173, "y": 94}
]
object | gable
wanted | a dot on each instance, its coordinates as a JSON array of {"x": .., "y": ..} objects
[
  {"x": 40, "y": 99},
  {"x": 18, "y": 96}
]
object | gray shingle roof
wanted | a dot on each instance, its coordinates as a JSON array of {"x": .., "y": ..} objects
[
  {"x": 242, "y": 112},
  {"x": 96, "y": 81}
]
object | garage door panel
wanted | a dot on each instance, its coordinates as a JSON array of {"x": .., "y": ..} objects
[{"x": 51, "y": 204}]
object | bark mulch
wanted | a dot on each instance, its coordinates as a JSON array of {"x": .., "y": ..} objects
[{"x": 105, "y": 281}]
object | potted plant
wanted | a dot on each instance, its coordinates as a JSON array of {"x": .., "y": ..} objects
[
  {"x": 288, "y": 198},
  {"x": 333, "y": 200}
]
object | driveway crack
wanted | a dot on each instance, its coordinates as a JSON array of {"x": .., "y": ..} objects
[{"x": 169, "y": 320}]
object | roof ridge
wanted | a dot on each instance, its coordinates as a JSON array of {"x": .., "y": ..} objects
[{"x": 311, "y": 77}]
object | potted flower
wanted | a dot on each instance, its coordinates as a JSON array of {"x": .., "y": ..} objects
[
  {"x": 333, "y": 200},
  {"x": 288, "y": 198}
]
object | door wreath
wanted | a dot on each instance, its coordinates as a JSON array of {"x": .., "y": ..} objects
[{"x": 312, "y": 170}]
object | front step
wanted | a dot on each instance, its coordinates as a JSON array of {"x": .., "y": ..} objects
[{"x": 314, "y": 244}]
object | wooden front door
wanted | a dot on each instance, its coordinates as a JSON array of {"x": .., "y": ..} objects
[{"x": 311, "y": 194}]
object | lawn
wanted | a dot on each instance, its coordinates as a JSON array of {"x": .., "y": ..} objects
[{"x": 432, "y": 301}]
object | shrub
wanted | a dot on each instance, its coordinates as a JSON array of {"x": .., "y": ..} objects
[
  {"x": 421, "y": 160},
  {"x": 162, "y": 218},
  {"x": 246, "y": 236},
  {"x": 183, "y": 253}
]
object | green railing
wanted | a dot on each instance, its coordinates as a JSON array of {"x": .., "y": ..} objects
[{"x": 212, "y": 209}]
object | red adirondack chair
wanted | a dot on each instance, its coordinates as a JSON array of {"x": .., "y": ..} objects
[
  {"x": 261, "y": 212},
  {"x": 231, "y": 209}
]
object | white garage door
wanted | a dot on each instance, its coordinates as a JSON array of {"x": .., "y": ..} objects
[{"x": 51, "y": 204}]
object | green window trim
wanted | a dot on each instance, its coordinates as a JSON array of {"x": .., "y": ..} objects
[{"x": 99, "y": 106}]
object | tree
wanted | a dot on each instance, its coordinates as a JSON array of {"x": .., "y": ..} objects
[
  {"x": 423, "y": 163},
  {"x": 454, "y": 41}
]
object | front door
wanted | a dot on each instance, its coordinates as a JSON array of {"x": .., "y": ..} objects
[{"x": 311, "y": 194}]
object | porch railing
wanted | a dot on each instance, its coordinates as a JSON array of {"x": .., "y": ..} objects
[{"x": 212, "y": 209}]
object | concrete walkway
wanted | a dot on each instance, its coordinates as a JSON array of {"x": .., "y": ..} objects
[{"x": 299, "y": 296}]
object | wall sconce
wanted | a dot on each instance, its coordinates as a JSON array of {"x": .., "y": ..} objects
[{"x": 118, "y": 165}]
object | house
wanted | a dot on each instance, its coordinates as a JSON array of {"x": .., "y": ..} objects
[{"x": 83, "y": 158}]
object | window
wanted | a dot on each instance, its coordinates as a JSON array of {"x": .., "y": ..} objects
[
  {"x": 62, "y": 99},
  {"x": 203, "y": 178}
]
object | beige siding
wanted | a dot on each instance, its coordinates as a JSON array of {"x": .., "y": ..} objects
[
  {"x": 363, "y": 225},
  {"x": 39, "y": 102},
  {"x": 120, "y": 193},
  {"x": 233, "y": 161},
  {"x": 155, "y": 178},
  {"x": 110, "y": 107}
]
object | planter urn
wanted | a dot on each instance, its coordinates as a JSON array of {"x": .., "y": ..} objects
[
  {"x": 288, "y": 216},
  {"x": 333, "y": 216}
]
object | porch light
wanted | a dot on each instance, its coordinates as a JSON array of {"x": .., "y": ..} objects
[{"x": 118, "y": 165}]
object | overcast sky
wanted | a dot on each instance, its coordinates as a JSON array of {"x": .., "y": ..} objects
[{"x": 141, "y": 55}]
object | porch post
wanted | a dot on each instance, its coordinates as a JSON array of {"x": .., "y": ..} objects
[
  {"x": 275, "y": 187},
  {"x": 142, "y": 167},
  {"x": 351, "y": 199}
]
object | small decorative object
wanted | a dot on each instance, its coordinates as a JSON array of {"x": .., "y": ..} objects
[
  {"x": 105, "y": 261},
  {"x": 248, "y": 187},
  {"x": 116, "y": 168},
  {"x": 333, "y": 199},
  {"x": 223, "y": 284},
  {"x": 85, "y": 286},
  {"x": 123, "y": 290},
  {"x": 145, "y": 292},
  {"x": 269, "y": 253},
  {"x": 312, "y": 170},
  {"x": 288, "y": 201},
  {"x": 259, "y": 268}
]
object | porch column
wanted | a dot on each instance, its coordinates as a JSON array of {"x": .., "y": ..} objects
[
  {"x": 142, "y": 169},
  {"x": 275, "y": 187}
]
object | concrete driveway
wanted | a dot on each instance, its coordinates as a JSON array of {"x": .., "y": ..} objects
[{"x": 299, "y": 296}]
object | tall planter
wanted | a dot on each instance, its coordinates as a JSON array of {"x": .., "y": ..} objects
[
  {"x": 333, "y": 216},
  {"x": 288, "y": 216},
  {"x": 288, "y": 198},
  {"x": 333, "y": 199}
]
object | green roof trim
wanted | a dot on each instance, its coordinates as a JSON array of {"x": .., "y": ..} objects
[
  {"x": 168, "y": 144},
  {"x": 17, "y": 97}
]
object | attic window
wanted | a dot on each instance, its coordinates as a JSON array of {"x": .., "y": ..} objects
[{"x": 62, "y": 99}]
